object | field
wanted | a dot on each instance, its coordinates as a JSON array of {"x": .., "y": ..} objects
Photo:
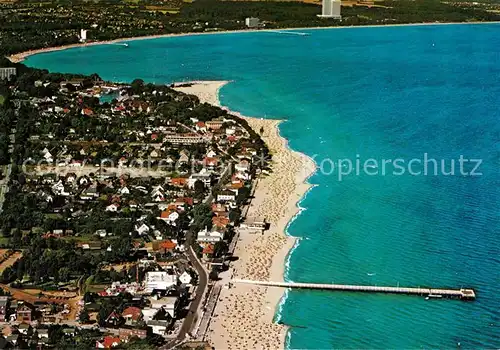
[
  {"x": 70, "y": 299},
  {"x": 8, "y": 258}
]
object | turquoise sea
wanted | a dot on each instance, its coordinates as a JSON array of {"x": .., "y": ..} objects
[{"x": 382, "y": 93}]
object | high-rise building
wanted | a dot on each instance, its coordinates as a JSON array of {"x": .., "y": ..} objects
[
  {"x": 7, "y": 73},
  {"x": 252, "y": 22},
  {"x": 331, "y": 9},
  {"x": 83, "y": 35}
]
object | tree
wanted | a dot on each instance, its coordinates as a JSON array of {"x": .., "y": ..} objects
[
  {"x": 64, "y": 274},
  {"x": 199, "y": 188},
  {"x": 261, "y": 130},
  {"x": 137, "y": 86},
  {"x": 84, "y": 316},
  {"x": 202, "y": 217}
]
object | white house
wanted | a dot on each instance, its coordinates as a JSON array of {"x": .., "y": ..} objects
[
  {"x": 159, "y": 280},
  {"x": 142, "y": 229},
  {"x": 243, "y": 165},
  {"x": 124, "y": 190},
  {"x": 206, "y": 178},
  {"x": 148, "y": 313},
  {"x": 205, "y": 236},
  {"x": 185, "y": 278},
  {"x": 58, "y": 189},
  {"x": 101, "y": 233},
  {"x": 113, "y": 207},
  {"x": 169, "y": 216},
  {"x": 158, "y": 327},
  {"x": 243, "y": 176},
  {"x": 169, "y": 304},
  {"x": 226, "y": 196}
]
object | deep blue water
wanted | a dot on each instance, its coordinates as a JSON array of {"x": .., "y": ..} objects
[{"x": 382, "y": 93}]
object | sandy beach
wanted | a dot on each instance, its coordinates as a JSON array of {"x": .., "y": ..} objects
[
  {"x": 244, "y": 314},
  {"x": 21, "y": 56}
]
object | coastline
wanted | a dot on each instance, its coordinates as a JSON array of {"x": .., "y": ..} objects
[
  {"x": 277, "y": 198},
  {"x": 21, "y": 56}
]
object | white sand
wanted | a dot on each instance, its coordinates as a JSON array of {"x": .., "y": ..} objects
[{"x": 243, "y": 317}]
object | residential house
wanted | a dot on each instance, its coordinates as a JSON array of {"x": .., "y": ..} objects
[
  {"x": 208, "y": 252},
  {"x": 164, "y": 246},
  {"x": 101, "y": 233},
  {"x": 127, "y": 333},
  {"x": 205, "y": 178},
  {"x": 4, "y": 306},
  {"x": 185, "y": 278},
  {"x": 242, "y": 166},
  {"x": 148, "y": 314},
  {"x": 159, "y": 326},
  {"x": 43, "y": 333},
  {"x": 169, "y": 216},
  {"x": 178, "y": 181},
  {"x": 24, "y": 312},
  {"x": 214, "y": 236},
  {"x": 89, "y": 245},
  {"x": 215, "y": 124},
  {"x": 168, "y": 304},
  {"x": 24, "y": 328},
  {"x": 132, "y": 315},
  {"x": 108, "y": 342},
  {"x": 113, "y": 319},
  {"x": 200, "y": 126},
  {"x": 159, "y": 280},
  {"x": 226, "y": 196},
  {"x": 124, "y": 190},
  {"x": 142, "y": 229},
  {"x": 113, "y": 207},
  {"x": 210, "y": 162},
  {"x": 220, "y": 221}
]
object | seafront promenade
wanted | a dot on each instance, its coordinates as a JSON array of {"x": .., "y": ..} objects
[{"x": 462, "y": 293}]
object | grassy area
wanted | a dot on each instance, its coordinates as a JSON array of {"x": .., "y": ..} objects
[{"x": 2, "y": 100}]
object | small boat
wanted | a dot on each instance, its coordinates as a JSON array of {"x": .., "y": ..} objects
[{"x": 436, "y": 296}]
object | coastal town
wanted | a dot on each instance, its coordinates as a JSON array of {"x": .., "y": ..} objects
[
  {"x": 122, "y": 209},
  {"x": 129, "y": 211}
]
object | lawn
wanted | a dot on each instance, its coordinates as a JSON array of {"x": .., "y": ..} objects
[{"x": 2, "y": 100}]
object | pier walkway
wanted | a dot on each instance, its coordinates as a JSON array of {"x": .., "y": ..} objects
[{"x": 463, "y": 293}]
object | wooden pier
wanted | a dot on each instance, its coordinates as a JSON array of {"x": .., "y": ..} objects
[{"x": 463, "y": 293}]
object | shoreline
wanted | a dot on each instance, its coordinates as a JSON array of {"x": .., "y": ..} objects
[
  {"x": 265, "y": 257},
  {"x": 21, "y": 56}
]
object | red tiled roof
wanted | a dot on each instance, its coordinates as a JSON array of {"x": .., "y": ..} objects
[
  {"x": 133, "y": 312},
  {"x": 186, "y": 200},
  {"x": 220, "y": 221},
  {"x": 109, "y": 341},
  {"x": 209, "y": 249},
  {"x": 178, "y": 181},
  {"x": 165, "y": 214},
  {"x": 167, "y": 244},
  {"x": 88, "y": 111}
]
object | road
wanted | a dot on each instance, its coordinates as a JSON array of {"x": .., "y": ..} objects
[{"x": 196, "y": 304}]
